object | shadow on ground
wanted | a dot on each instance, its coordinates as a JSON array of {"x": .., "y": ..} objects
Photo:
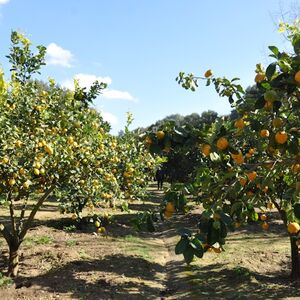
[
  {"x": 113, "y": 277},
  {"x": 219, "y": 281}
]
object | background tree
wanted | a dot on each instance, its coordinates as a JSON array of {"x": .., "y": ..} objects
[{"x": 176, "y": 138}]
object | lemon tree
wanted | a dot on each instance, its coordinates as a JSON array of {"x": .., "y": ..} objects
[
  {"x": 251, "y": 164},
  {"x": 93, "y": 178},
  {"x": 110, "y": 170},
  {"x": 135, "y": 164},
  {"x": 46, "y": 141}
]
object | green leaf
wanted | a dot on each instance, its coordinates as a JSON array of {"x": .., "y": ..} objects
[
  {"x": 154, "y": 148},
  {"x": 240, "y": 89},
  {"x": 297, "y": 210},
  {"x": 254, "y": 216},
  {"x": 260, "y": 103},
  {"x": 284, "y": 65},
  {"x": 236, "y": 208},
  {"x": 213, "y": 234},
  {"x": 222, "y": 131},
  {"x": 181, "y": 202},
  {"x": 217, "y": 225},
  {"x": 181, "y": 245},
  {"x": 271, "y": 70},
  {"x": 296, "y": 43},
  {"x": 290, "y": 215},
  {"x": 189, "y": 188},
  {"x": 255, "y": 125},
  {"x": 170, "y": 197},
  {"x": 293, "y": 147},
  {"x": 223, "y": 230},
  {"x": 188, "y": 254},
  {"x": 274, "y": 50},
  {"x": 204, "y": 225},
  {"x": 266, "y": 85},
  {"x": 198, "y": 247},
  {"x": 200, "y": 237},
  {"x": 226, "y": 218}
]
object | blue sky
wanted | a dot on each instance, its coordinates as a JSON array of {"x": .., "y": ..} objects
[{"x": 139, "y": 46}]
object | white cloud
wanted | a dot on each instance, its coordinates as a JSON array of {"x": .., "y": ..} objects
[
  {"x": 114, "y": 94},
  {"x": 109, "y": 117},
  {"x": 56, "y": 55},
  {"x": 86, "y": 80},
  {"x": 4, "y": 1}
]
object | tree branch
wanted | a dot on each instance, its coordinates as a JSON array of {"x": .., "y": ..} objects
[
  {"x": 22, "y": 214},
  {"x": 12, "y": 213},
  {"x": 34, "y": 211}
]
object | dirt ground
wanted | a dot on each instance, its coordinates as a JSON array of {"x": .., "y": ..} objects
[{"x": 57, "y": 263}]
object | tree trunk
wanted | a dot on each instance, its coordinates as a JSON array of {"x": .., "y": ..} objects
[
  {"x": 13, "y": 266},
  {"x": 295, "y": 259}
]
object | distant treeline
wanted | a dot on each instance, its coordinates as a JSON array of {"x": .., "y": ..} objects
[{"x": 195, "y": 120}]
